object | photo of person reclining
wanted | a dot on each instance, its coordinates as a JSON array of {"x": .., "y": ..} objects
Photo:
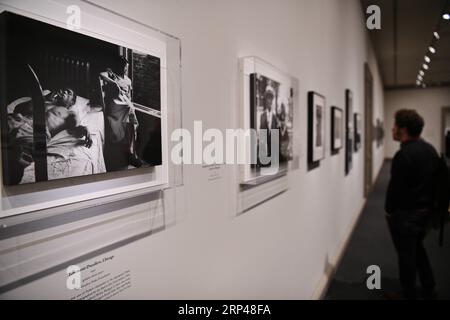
[
  {"x": 74, "y": 137},
  {"x": 70, "y": 110}
]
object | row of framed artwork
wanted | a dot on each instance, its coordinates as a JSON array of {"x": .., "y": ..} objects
[
  {"x": 317, "y": 130},
  {"x": 271, "y": 101}
]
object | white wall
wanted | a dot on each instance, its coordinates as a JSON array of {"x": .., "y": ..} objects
[
  {"x": 282, "y": 248},
  {"x": 427, "y": 102},
  {"x": 378, "y": 109}
]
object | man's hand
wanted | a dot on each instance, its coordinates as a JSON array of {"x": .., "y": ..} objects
[
  {"x": 82, "y": 131},
  {"x": 24, "y": 158}
]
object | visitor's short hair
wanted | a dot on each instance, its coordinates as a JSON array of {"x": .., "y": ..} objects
[{"x": 411, "y": 120}]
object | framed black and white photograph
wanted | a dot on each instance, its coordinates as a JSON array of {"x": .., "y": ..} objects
[
  {"x": 74, "y": 105},
  {"x": 271, "y": 108},
  {"x": 269, "y": 101},
  {"x": 358, "y": 130},
  {"x": 349, "y": 133},
  {"x": 85, "y": 112},
  {"x": 337, "y": 127},
  {"x": 379, "y": 133},
  {"x": 316, "y": 127}
]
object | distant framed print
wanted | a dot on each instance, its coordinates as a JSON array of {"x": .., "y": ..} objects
[
  {"x": 349, "y": 134},
  {"x": 268, "y": 115},
  {"x": 358, "y": 130},
  {"x": 379, "y": 133},
  {"x": 316, "y": 127},
  {"x": 337, "y": 127}
]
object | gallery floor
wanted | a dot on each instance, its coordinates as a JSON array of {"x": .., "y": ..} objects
[{"x": 371, "y": 244}]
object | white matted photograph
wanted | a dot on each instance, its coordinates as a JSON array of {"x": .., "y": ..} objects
[
  {"x": 316, "y": 130},
  {"x": 272, "y": 108},
  {"x": 84, "y": 111},
  {"x": 349, "y": 133}
]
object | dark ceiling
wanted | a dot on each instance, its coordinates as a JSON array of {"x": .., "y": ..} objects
[{"x": 407, "y": 28}]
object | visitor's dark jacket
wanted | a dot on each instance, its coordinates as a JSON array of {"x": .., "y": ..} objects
[{"x": 412, "y": 177}]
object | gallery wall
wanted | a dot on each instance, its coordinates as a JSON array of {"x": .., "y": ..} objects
[
  {"x": 378, "y": 109},
  {"x": 286, "y": 247},
  {"x": 428, "y": 102}
]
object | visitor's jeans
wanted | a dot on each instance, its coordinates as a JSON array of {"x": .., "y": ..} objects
[{"x": 408, "y": 229}]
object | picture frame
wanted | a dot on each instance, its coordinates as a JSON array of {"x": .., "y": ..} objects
[
  {"x": 358, "y": 131},
  {"x": 337, "y": 126},
  {"x": 276, "y": 114},
  {"x": 255, "y": 75},
  {"x": 123, "y": 33},
  {"x": 258, "y": 183},
  {"x": 349, "y": 131},
  {"x": 316, "y": 128}
]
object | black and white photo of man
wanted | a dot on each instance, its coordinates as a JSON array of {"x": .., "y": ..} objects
[
  {"x": 272, "y": 106},
  {"x": 268, "y": 121},
  {"x": 319, "y": 126}
]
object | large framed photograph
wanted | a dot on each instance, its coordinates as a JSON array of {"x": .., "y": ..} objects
[
  {"x": 358, "y": 131},
  {"x": 337, "y": 127},
  {"x": 75, "y": 105},
  {"x": 316, "y": 127},
  {"x": 349, "y": 135},
  {"x": 85, "y": 112},
  {"x": 85, "y": 115},
  {"x": 271, "y": 104}
]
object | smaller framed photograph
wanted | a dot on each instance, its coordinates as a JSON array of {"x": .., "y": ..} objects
[
  {"x": 349, "y": 133},
  {"x": 316, "y": 127},
  {"x": 358, "y": 128},
  {"x": 271, "y": 107},
  {"x": 379, "y": 133},
  {"x": 337, "y": 126}
]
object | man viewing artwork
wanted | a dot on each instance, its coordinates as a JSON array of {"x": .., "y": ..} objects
[{"x": 409, "y": 203}]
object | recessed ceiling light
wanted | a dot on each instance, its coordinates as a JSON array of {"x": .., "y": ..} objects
[
  {"x": 432, "y": 49},
  {"x": 418, "y": 83},
  {"x": 421, "y": 73},
  {"x": 446, "y": 16},
  {"x": 427, "y": 59},
  {"x": 436, "y": 35},
  {"x": 419, "y": 77},
  {"x": 425, "y": 66},
  {"x": 424, "y": 85}
]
